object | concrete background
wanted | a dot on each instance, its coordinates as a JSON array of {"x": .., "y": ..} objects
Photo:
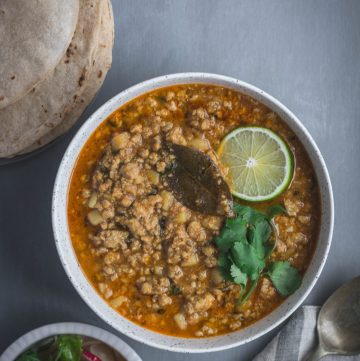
[{"x": 305, "y": 53}]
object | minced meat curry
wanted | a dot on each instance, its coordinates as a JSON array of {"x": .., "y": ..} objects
[{"x": 152, "y": 258}]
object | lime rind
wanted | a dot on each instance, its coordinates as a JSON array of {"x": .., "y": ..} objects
[{"x": 276, "y": 168}]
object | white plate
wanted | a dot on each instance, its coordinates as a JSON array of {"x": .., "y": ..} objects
[
  {"x": 70, "y": 328},
  {"x": 87, "y": 292}
]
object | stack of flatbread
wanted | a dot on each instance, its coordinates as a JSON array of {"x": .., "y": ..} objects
[{"x": 54, "y": 56}]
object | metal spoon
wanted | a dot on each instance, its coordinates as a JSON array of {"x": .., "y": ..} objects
[{"x": 338, "y": 323}]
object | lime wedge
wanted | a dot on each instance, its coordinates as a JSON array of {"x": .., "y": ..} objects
[{"x": 260, "y": 163}]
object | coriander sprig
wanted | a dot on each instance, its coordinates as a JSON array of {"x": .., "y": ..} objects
[
  {"x": 245, "y": 243},
  {"x": 59, "y": 348}
]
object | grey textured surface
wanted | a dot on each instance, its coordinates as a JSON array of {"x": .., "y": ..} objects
[{"x": 305, "y": 53}]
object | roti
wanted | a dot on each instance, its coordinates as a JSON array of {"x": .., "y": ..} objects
[
  {"x": 46, "y": 105},
  {"x": 101, "y": 65},
  {"x": 30, "y": 49}
]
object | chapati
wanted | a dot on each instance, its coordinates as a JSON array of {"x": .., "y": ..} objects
[
  {"x": 101, "y": 65},
  {"x": 46, "y": 105},
  {"x": 34, "y": 35}
]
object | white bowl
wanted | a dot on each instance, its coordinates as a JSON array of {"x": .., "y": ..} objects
[
  {"x": 31, "y": 338},
  {"x": 88, "y": 293}
]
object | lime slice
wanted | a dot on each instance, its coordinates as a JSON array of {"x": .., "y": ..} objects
[{"x": 260, "y": 163}]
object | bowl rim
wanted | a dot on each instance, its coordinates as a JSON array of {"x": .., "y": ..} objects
[
  {"x": 30, "y": 338},
  {"x": 104, "y": 311}
]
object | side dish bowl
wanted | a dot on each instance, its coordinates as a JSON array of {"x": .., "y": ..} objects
[
  {"x": 98, "y": 305},
  {"x": 33, "y": 337}
]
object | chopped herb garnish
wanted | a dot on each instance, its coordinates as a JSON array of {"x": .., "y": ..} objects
[
  {"x": 285, "y": 277},
  {"x": 28, "y": 356},
  {"x": 248, "y": 259},
  {"x": 245, "y": 243},
  {"x": 69, "y": 348},
  {"x": 238, "y": 276},
  {"x": 175, "y": 290},
  {"x": 62, "y": 348}
]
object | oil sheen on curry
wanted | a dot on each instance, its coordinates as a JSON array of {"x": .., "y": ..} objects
[{"x": 194, "y": 210}]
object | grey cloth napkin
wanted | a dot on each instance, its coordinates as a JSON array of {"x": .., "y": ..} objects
[{"x": 297, "y": 338}]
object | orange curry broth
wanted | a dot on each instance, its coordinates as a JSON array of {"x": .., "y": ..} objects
[{"x": 92, "y": 152}]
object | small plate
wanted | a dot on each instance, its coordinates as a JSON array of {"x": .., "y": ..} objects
[{"x": 81, "y": 329}]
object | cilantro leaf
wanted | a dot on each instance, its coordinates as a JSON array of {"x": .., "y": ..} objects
[
  {"x": 275, "y": 210},
  {"x": 224, "y": 264},
  {"x": 247, "y": 214},
  {"x": 246, "y": 241},
  {"x": 69, "y": 348},
  {"x": 229, "y": 236},
  {"x": 238, "y": 225},
  {"x": 239, "y": 277},
  {"x": 175, "y": 290},
  {"x": 259, "y": 234},
  {"x": 247, "y": 259},
  {"x": 284, "y": 277},
  {"x": 241, "y": 210},
  {"x": 234, "y": 230}
]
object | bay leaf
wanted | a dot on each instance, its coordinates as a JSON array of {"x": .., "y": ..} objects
[{"x": 196, "y": 182}]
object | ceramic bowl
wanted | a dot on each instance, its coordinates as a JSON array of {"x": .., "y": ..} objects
[
  {"x": 29, "y": 339},
  {"x": 98, "y": 305}
]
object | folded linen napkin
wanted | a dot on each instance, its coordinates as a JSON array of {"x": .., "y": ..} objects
[{"x": 297, "y": 338}]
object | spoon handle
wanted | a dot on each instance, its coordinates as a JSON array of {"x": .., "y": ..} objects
[{"x": 316, "y": 354}]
